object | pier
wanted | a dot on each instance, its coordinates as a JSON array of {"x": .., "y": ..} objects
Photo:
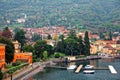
[
  {"x": 78, "y": 69},
  {"x": 112, "y": 69},
  {"x": 57, "y": 67},
  {"x": 97, "y": 68}
]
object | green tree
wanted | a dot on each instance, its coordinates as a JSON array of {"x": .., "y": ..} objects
[
  {"x": 110, "y": 35},
  {"x": 45, "y": 55},
  {"x": 72, "y": 34},
  {"x": 9, "y": 51},
  {"x": 28, "y": 48},
  {"x": 87, "y": 44},
  {"x": 49, "y": 36},
  {"x": 102, "y": 36},
  {"x": 60, "y": 45},
  {"x": 20, "y": 37},
  {"x": 49, "y": 49},
  {"x": 1, "y": 75},
  {"x": 80, "y": 45},
  {"x": 41, "y": 46},
  {"x": 16, "y": 30},
  {"x": 36, "y": 37},
  {"x": 70, "y": 46}
]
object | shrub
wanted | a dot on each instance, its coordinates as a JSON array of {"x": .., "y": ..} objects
[
  {"x": 16, "y": 63},
  {"x": 8, "y": 66},
  {"x": 57, "y": 55},
  {"x": 13, "y": 69}
]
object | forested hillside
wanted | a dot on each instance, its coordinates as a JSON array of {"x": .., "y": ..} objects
[{"x": 77, "y": 13}]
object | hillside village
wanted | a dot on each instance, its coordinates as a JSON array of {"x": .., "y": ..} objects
[
  {"x": 97, "y": 46},
  {"x": 109, "y": 47}
]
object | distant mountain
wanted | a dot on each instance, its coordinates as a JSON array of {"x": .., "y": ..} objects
[{"x": 78, "y": 13}]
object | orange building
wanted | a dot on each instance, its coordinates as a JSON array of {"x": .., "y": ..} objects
[
  {"x": 2, "y": 55},
  {"x": 23, "y": 57},
  {"x": 20, "y": 56}
]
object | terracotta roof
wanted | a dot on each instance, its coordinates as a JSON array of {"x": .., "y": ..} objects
[{"x": 109, "y": 47}]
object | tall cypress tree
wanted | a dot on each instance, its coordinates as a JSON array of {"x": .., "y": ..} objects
[
  {"x": 87, "y": 44},
  {"x": 80, "y": 45},
  {"x": 110, "y": 35}
]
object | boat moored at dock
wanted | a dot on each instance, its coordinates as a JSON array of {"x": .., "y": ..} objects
[
  {"x": 71, "y": 67},
  {"x": 89, "y": 71}
]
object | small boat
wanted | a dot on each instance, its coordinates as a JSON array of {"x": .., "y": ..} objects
[
  {"x": 89, "y": 67},
  {"x": 71, "y": 67},
  {"x": 89, "y": 71}
]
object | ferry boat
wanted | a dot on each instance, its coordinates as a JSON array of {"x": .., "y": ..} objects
[
  {"x": 89, "y": 71},
  {"x": 71, "y": 67},
  {"x": 89, "y": 67}
]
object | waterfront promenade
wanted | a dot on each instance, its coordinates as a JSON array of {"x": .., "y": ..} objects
[
  {"x": 37, "y": 67},
  {"x": 26, "y": 72}
]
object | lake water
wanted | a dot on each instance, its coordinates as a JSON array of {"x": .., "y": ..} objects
[{"x": 59, "y": 74}]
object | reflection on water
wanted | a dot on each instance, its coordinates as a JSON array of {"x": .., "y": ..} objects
[{"x": 58, "y": 74}]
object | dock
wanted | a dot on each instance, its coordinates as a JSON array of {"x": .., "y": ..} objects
[
  {"x": 57, "y": 67},
  {"x": 97, "y": 68},
  {"x": 78, "y": 69},
  {"x": 112, "y": 69}
]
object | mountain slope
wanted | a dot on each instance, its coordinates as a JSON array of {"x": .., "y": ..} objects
[{"x": 92, "y": 13}]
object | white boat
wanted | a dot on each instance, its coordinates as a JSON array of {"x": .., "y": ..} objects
[
  {"x": 71, "y": 67},
  {"x": 89, "y": 67},
  {"x": 89, "y": 71}
]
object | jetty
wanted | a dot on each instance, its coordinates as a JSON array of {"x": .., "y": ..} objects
[
  {"x": 79, "y": 68},
  {"x": 112, "y": 69},
  {"x": 97, "y": 68},
  {"x": 57, "y": 67}
]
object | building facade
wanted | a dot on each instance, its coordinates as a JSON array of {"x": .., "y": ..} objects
[{"x": 2, "y": 55}]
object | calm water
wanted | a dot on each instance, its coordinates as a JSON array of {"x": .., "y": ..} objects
[{"x": 58, "y": 74}]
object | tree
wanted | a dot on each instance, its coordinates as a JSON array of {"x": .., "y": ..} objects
[
  {"x": 80, "y": 45},
  {"x": 70, "y": 46},
  {"x": 72, "y": 34},
  {"x": 1, "y": 75},
  {"x": 55, "y": 38},
  {"x": 49, "y": 36},
  {"x": 28, "y": 48},
  {"x": 40, "y": 47},
  {"x": 102, "y": 36},
  {"x": 20, "y": 37},
  {"x": 60, "y": 45},
  {"x": 110, "y": 35},
  {"x": 87, "y": 44},
  {"x": 45, "y": 55},
  {"x": 36, "y": 37},
  {"x": 7, "y": 33},
  {"x": 9, "y": 51}
]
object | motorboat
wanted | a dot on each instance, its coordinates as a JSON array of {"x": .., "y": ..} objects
[
  {"x": 89, "y": 67},
  {"x": 71, "y": 67},
  {"x": 89, "y": 71}
]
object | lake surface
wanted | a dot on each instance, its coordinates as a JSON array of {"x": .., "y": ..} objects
[{"x": 59, "y": 74}]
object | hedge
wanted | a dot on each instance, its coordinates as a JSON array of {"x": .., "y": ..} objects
[{"x": 13, "y": 69}]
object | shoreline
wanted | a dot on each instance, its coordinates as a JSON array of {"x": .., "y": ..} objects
[{"x": 38, "y": 67}]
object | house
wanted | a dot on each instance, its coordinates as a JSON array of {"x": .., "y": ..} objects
[
  {"x": 93, "y": 49},
  {"x": 2, "y": 55},
  {"x": 109, "y": 49},
  {"x": 105, "y": 46},
  {"x": 21, "y": 56}
]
